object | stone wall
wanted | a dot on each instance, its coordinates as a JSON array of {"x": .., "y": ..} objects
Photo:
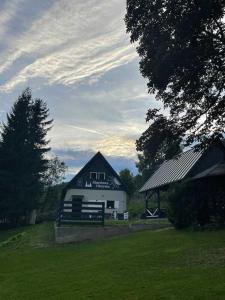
[{"x": 68, "y": 234}]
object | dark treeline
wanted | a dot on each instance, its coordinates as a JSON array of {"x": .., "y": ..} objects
[{"x": 25, "y": 174}]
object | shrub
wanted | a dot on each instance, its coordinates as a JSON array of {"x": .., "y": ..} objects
[
  {"x": 197, "y": 203},
  {"x": 136, "y": 209},
  {"x": 187, "y": 206}
]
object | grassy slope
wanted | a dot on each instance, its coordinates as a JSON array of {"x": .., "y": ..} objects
[{"x": 148, "y": 265}]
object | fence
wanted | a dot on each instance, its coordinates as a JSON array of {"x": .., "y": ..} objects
[{"x": 81, "y": 213}]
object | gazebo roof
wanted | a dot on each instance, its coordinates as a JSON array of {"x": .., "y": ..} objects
[{"x": 172, "y": 170}]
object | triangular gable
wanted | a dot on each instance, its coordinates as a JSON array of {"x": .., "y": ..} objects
[
  {"x": 215, "y": 170},
  {"x": 112, "y": 180}
]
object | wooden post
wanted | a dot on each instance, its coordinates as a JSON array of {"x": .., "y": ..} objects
[
  {"x": 158, "y": 199},
  {"x": 146, "y": 201},
  {"x": 103, "y": 213},
  {"x": 59, "y": 217},
  {"x": 60, "y": 211}
]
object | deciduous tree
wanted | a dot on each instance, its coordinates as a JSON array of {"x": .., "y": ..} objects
[
  {"x": 161, "y": 141},
  {"x": 128, "y": 181},
  {"x": 182, "y": 48}
]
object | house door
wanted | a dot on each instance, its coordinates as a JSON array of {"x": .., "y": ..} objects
[{"x": 77, "y": 205}]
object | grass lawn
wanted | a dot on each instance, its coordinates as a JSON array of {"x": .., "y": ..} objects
[{"x": 164, "y": 264}]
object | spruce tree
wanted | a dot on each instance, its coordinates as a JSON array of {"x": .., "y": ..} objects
[{"x": 22, "y": 157}]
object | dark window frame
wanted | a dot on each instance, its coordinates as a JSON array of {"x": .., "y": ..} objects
[
  {"x": 110, "y": 206},
  {"x": 96, "y": 175},
  {"x": 100, "y": 173}
]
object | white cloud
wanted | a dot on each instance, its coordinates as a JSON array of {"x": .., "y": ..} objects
[
  {"x": 67, "y": 42},
  {"x": 73, "y": 41},
  {"x": 7, "y": 13},
  {"x": 86, "y": 130},
  {"x": 119, "y": 140}
]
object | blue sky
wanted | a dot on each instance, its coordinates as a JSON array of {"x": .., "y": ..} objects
[{"x": 76, "y": 55}]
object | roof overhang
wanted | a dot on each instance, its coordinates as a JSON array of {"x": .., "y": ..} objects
[{"x": 215, "y": 170}]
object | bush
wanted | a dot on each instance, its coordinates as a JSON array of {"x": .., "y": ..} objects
[
  {"x": 187, "y": 206},
  {"x": 46, "y": 216},
  {"x": 217, "y": 202},
  {"x": 136, "y": 209},
  {"x": 197, "y": 203},
  {"x": 179, "y": 208}
]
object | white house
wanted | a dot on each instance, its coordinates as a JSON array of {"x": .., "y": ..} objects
[{"x": 98, "y": 182}]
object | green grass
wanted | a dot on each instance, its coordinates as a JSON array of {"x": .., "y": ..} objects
[
  {"x": 26, "y": 237},
  {"x": 164, "y": 264}
]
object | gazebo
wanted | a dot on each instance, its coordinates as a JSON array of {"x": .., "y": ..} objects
[{"x": 190, "y": 164}]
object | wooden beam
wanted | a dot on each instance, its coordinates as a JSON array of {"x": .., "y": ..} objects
[
  {"x": 146, "y": 200},
  {"x": 158, "y": 199}
]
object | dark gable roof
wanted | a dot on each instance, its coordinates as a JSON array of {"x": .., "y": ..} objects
[
  {"x": 215, "y": 170},
  {"x": 172, "y": 170},
  {"x": 98, "y": 155},
  {"x": 223, "y": 142}
]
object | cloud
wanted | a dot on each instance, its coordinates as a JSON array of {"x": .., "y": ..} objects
[
  {"x": 73, "y": 41},
  {"x": 117, "y": 142},
  {"x": 76, "y": 55},
  {"x": 108, "y": 116},
  {"x": 87, "y": 130},
  {"x": 8, "y": 11}
]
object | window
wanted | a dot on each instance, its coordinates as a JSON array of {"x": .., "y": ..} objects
[
  {"x": 110, "y": 204},
  {"x": 101, "y": 176},
  {"x": 93, "y": 175}
]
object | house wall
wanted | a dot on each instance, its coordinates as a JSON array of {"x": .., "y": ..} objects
[{"x": 120, "y": 197}]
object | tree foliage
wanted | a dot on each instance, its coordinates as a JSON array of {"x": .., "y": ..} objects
[
  {"x": 23, "y": 162},
  {"x": 182, "y": 50},
  {"x": 53, "y": 185},
  {"x": 127, "y": 179},
  {"x": 55, "y": 172},
  {"x": 161, "y": 141}
]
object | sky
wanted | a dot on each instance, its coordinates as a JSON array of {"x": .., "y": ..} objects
[{"x": 76, "y": 56}]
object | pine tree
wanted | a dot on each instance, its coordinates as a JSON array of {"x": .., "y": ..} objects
[
  {"x": 22, "y": 157},
  {"x": 39, "y": 127}
]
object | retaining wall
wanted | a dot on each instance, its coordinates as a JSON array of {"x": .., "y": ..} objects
[{"x": 68, "y": 234}]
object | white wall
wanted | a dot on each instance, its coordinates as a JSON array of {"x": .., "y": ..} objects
[{"x": 120, "y": 197}]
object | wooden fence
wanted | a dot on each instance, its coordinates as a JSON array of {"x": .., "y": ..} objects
[{"x": 81, "y": 213}]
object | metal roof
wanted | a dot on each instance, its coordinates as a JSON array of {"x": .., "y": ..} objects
[
  {"x": 172, "y": 170},
  {"x": 215, "y": 170}
]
